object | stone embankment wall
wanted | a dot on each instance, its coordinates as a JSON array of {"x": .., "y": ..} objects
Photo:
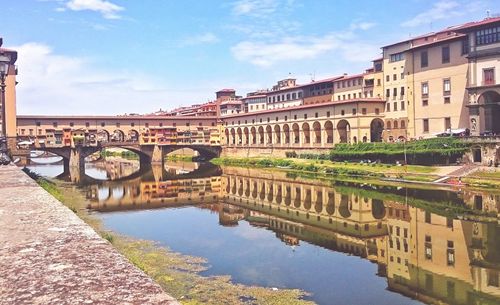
[{"x": 48, "y": 255}]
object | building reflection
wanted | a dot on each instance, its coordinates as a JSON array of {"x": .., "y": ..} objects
[{"x": 426, "y": 250}]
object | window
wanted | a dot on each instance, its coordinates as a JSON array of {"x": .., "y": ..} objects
[
  {"x": 403, "y": 125},
  {"x": 424, "y": 59},
  {"x": 388, "y": 123},
  {"x": 388, "y": 107},
  {"x": 187, "y": 124},
  {"x": 395, "y": 107},
  {"x": 450, "y": 254},
  {"x": 146, "y": 125},
  {"x": 377, "y": 111},
  {"x": 316, "y": 115},
  {"x": 426, "y": 129},
  {"x": 388, "y": 92},
  {"x": 465, "y": 46},
  {"x": 71, "y": 124},
  {"x": 328, "y": 114},
  {"x": 394, "y": 91},
  {"x": 428, "y": 247},
  {"x": 363, "y": 110},
  {"x": 305, "y": 116},
  {"x": 487, "y": 36},
  {"x": 402, "y": 75},
  {"x": 379, "y": 82},
  {"x": 38, "y": 124},
  {"x": 425, "y": 89},
  {"x": 295, "y": 117},
  {"x": 353, "y": 111},
  {"x": 87, "y": 124},
  {"x": 286, "y": 117},
  {"x": 425, "y": 102},
  {"x": 103, "y": 124},
  {"x": 447, "y": 100},
  {"x": 54, "y": 124},
  {"x": 394, "y": 77},
  {"x": 402, "y": 91},
  {"x": 488, "y": 76},
  {"x": 387, "y": 78},
  {"x": 396, "y": 57},
  {"x": 402, "y": 105},
  {"x": 342, "y": 112},
  {"x": 396, "y": 127},
  {"x": 445, "y": 54},
  {"x": 447, "y": 123},
  {"x": 446, "y": 86}
]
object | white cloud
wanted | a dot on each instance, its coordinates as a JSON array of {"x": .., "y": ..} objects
[
  {"x": 267, "y": 53},
  {"x": 255, "y": 8},
  {"x": 443, "y": 9},
  {"x": 205, "y": 38},
  {"x": 362, "y": 25},
  {"x": 107, "y": 9},
  {"x": 57, "y": 84}
]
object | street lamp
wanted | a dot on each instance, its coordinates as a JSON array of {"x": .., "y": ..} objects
[{"x": 4, "y": 70}]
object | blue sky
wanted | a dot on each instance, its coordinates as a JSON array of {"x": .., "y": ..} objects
[{"x": 126, "y": 56}]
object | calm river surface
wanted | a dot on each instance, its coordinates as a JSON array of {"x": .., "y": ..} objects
[{"x": 343, "y": 243}]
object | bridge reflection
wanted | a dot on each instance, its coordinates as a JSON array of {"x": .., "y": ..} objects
[{"x": 424, "y": 251}]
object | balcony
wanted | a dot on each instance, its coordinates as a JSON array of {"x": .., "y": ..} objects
[{"x": 489, "y": 82}]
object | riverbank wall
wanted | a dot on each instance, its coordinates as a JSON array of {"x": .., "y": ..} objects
[
  {"x": 270, "y": 151},
  {"x": 48, "y": 255}
]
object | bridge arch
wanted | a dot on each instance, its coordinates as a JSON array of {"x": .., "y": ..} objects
[
  {"x": 118, "y": 136},
  {"x": 133, "y": 135},
  {"x": 102, "y": 135},
  {"x": 227, "y": 136}
]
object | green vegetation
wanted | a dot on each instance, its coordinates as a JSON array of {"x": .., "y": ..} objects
[
  {"x": 329, "y": 167},
  {"x": 125, "y": 154},
  {"x": 179, "y": 158},
  {"x": 176, "y": 273},
  {"x": 429, "y": 151}
]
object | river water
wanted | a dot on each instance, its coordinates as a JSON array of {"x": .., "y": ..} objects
[{"x": 344, "y": 243}]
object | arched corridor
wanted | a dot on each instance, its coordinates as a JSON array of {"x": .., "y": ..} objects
[{"x": 344, "y": 131}]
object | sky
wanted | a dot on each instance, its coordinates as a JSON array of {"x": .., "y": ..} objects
[{"x": 139, "y": 56}]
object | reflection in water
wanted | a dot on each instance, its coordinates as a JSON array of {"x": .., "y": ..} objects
[{"x": 425, "y": 251}]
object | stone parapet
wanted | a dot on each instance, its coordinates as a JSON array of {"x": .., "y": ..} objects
[{"x": 48, "y": 255}]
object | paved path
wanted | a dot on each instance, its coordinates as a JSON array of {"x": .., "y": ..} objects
[{"x": 50, "y": 256}]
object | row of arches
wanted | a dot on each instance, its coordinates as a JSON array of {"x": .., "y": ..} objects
[
  {"x": 117, "y": 136},
  {"x": 311, "y": 199},
  {"x": 307, "y": 134}
]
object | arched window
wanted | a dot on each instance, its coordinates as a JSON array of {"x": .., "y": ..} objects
[
  {"x": 403, "y": 124},
  {"x": 388, "y": 124},
  {"x": 395, "y": 124}
]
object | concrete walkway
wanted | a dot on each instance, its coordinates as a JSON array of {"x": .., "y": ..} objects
[{"x": 50, "y": 256}]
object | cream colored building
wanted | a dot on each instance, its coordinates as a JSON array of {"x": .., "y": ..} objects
[{"x": 482, "y": 46}]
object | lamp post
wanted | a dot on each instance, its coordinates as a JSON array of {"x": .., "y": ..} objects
[{"x": 4, "y": 70}]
